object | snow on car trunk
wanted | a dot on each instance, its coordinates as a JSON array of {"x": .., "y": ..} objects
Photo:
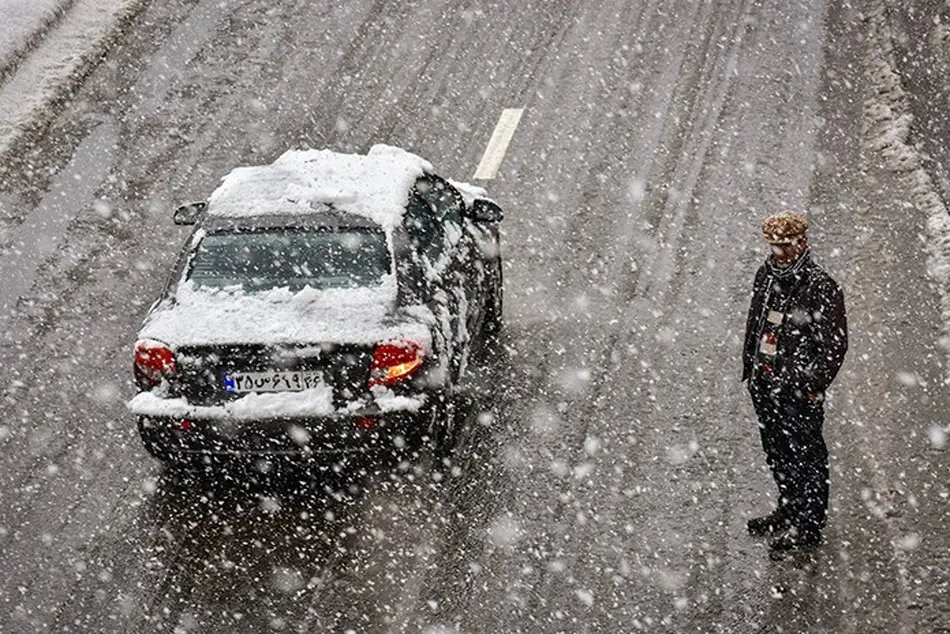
[{"x": 207, "y": 316}]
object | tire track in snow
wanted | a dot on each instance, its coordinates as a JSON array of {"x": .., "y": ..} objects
[
  {"x": 886, "y": 128},
  {"x": 23, "y": 47},
  {"x": 56, "y": 65}
]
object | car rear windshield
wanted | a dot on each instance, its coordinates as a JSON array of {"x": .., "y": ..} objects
[{"x": 293, "y": 258}]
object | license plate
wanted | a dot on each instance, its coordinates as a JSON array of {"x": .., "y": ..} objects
[{"x": 277, "y": 381}]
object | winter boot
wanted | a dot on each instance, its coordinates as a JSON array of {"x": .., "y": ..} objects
[
  {"x": 793, "y": 537},
  {"x": 774, "y": 522}
]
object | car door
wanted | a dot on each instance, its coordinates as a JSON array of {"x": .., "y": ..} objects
[
  {"x": 426, "y": 274},
  {"x": 486, "y": 260},
  {"x": 459, "y": 273}
]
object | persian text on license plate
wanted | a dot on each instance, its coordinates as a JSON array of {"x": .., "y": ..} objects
[{"x": 278, "y": 381}]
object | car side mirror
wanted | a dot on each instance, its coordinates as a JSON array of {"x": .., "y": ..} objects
[
  {"x": 484, "y": 210},
  {"x": 189, "y": 213}
]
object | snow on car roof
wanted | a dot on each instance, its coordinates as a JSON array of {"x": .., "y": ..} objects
[{"x": 373, "y": 185}]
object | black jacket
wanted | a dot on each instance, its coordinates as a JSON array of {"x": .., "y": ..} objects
[{"x": 812, "y": 338}]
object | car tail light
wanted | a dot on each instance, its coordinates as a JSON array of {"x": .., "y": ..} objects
[
  {"x": 366, "y": 423},
  {"x": 153, "y": 361},
  {"x": 395, "y": 361}
]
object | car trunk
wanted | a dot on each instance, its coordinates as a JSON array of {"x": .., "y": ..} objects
[{"x": 205, "y": 371}]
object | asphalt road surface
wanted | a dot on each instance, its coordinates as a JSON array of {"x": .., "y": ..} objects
[{"x": 610, "y": 457}]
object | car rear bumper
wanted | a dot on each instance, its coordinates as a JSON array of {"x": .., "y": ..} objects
[{"x": 167, "y": 437}]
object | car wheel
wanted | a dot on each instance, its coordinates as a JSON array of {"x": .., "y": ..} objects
[
  {"x": 158, "y": 449},
  {"x": 491, "y": 326},
  {"x": 441, "y": 423},
  {"x": 150, "y": 439}
]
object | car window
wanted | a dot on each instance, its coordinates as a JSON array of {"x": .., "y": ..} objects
[
  {"x": 444, "y": 198},
  {"x": 425, "y": 231},
  {"x": 295, "y": 258}
]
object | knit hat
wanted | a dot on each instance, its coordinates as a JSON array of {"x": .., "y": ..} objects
[{"x": 784, "y": 227}]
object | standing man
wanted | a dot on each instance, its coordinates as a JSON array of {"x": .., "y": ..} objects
[{"x": 795, "y": 342}]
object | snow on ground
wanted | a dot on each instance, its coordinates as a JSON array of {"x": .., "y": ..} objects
[
  {"x": 887, "y": 123},
  {"x": 51, "y": 45},
  {"x": 24, "y": 23}
]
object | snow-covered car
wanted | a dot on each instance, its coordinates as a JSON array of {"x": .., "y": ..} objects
[{"x": 324, "y": 303}]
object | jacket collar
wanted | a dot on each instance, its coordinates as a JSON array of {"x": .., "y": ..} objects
[{"x": 794, "y": 270}]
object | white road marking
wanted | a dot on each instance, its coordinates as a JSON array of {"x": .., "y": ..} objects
[{"x": 498, "y": 144}]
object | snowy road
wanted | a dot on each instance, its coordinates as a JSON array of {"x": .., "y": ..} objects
[{"x": 609, "y": 471}]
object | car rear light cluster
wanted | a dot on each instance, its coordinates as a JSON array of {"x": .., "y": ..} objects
[
  {"x": 153, "y": 362},
  {"x": 395, "y": 361}
]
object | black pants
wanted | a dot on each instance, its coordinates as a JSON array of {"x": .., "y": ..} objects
[{"x": 795, "y": 450}]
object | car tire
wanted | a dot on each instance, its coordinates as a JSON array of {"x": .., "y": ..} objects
[
  {"x": 153, "y": 445},
  {"x": 440, "y": 416},
  {"x": 491, "y": 326}
]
